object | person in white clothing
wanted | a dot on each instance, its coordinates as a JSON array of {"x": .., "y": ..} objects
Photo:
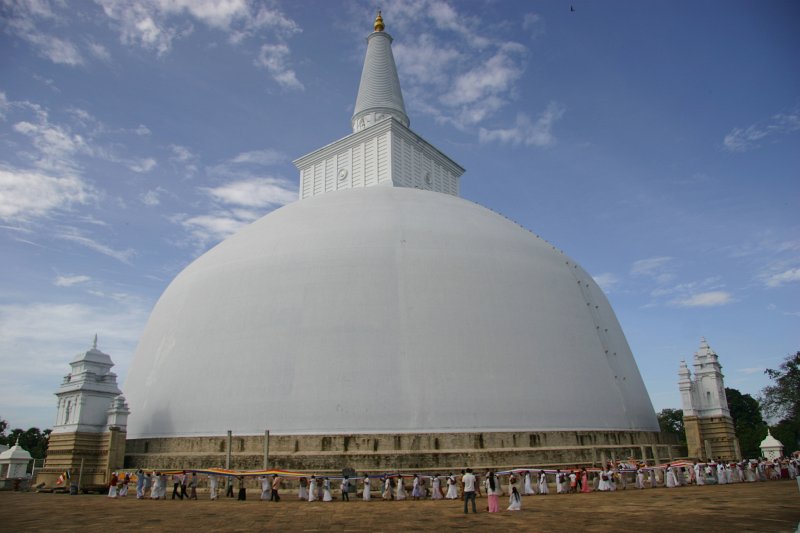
[
  {"x": 436, "y": 488},
  {"x": 515, "y": 502},
  {"x": 312, "y": 489},
  {"x": 699, "y": 474},
  {"x": 212, "y": 486},
  {"x": 528, "y": 488},
  {"x": 721, "y": 478},
  {"x": 387, "y": 488},
  {"x": 560, "y": 482},
  {"x": 671, "y": 480},
  {"x": 367, "y": 494},
  {"x": 266, "y": 487},
  {"x": 452, "y": 488},
  {"x": 302, "y": 489},
  {"x": 468, "y": 481},
  {"x": 543, "y": 483},
  {"x": 400, "y": 493},
  {"x": 640, "y": 478},
  {"x": 326, "y": 490}
]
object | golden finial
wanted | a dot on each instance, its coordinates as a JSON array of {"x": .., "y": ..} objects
[{"x": 379, "y": 22}]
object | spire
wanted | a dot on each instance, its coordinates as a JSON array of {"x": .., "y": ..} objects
[
  {"x": 94, "y": 343},
  {"x": 379, "y": 94}
]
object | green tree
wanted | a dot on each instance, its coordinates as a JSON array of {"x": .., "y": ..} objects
[
  {"x": 33, "y": 440},
  {"x": 781, "y": 401},
  {"x": 671, "y": 421},
  {"x": 747, "y": 420}
]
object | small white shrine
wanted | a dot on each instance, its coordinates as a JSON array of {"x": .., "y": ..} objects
[
  {"x": 771, "y": 448},
  {"x": 14, "y": 462}
]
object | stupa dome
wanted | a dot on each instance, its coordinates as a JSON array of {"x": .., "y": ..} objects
[{"x": 378, "y": 310}]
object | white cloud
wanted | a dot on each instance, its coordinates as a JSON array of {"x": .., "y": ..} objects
[
  {"x": 60, "y": 51},
  {"x": 493, "y": 76},
  {"x": 142, "y": 130},
  {"x": 151, "y": 198},
  {"x": 780, "y": 278},
  {"x": 533, "y": 23},
  {"x": 22, "y": 19},
  {"x": 256, "y": 192},
  {"x": 155, "y": 24},
  {"x": 265, "y": 157},
  {"x": 213, "y": 227},
  {"x": 650, "y": 267},
  {"x": 180, "y": 153},
  {"x": 749, "y": 138},
  {"x": 273, "y": 57},
  {"x": 525, "y": 131},
  {"x": 4, "y": 105},
  {"x": 143, "y": 165},
  {"x": 69, "y": 281},
  {"x": 606, "y": 280},
  {"x": 99, "y": 51},
  {"x": 26, "y": 194},
  {"x": 74, "y": 235},
  {"x": 57, "y": 145},
  {"x": 704, "y": 299},
  {"x": 454, "y": 67}
]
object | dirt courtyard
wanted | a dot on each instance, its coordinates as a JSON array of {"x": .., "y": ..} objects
[{"x": 762, "y": 507}]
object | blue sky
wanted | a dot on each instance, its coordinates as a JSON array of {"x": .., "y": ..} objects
[{"x": 657, "y": 143}]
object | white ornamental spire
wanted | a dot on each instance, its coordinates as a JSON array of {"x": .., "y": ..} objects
[{"x": 379, "y": 94}]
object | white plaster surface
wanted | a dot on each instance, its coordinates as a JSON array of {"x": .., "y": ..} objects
[{"x": 383, "y": 309}]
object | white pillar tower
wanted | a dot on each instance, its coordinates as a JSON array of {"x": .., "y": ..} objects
[
  {"x": 91, "y": 422},
  {"x": 709, "y": 398},
  {"x": 86, "y": 393},
  {"x": 709, "y": 427}
]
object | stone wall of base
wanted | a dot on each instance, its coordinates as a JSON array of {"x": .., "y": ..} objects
[
  {"x": 711, "y": 438},
  {"x": 88, "y": 456},
  {"x": 429, "y": 452}
]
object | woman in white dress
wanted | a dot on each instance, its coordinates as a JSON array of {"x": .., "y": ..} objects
[
  {"x": 326, "y": 490},
  {"x": 302, "y": 489},
  {"x": 750, "y": 473},
  {"x": 560, "y": 483},
  {"x": 699, "y": 474},
  {"x": 266, "y": 487},
  {"x": 400, "y": 493},
  {"x": 605, "y": 477},
  {"x": 367, "y": 489},
  {"x": 671, "y": 480},
  {"x": 312, "y": 489},
  {"x": 436, "y": 488},
  {"x": 721, "y": 478},
  {"x": 387, "y": 488},
  {"x": 543, "y": 483},
  {"x": 640, "y": 478},
  {"x": 416, "y": 489},
  {"x": 528, "y": 488},
  {"x": 515, "y": 502},
  {"x": 452, "y": 488}
]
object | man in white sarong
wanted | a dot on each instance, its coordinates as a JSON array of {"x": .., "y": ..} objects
[
  {"x": 266, "y": 487},
  {"x": 212, "y": 486},
  {"x": 367, "y": 494}
]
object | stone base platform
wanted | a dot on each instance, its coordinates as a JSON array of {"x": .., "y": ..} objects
[{"x": 428, "y": 452}]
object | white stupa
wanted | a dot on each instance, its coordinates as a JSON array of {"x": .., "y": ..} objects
[{"x": 381, "y": 302}]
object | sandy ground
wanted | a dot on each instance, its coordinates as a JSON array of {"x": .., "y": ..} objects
[{"x": 762, "y": 507}]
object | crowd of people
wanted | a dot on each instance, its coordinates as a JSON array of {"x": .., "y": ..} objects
[{"x": 467, "y": 486}]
